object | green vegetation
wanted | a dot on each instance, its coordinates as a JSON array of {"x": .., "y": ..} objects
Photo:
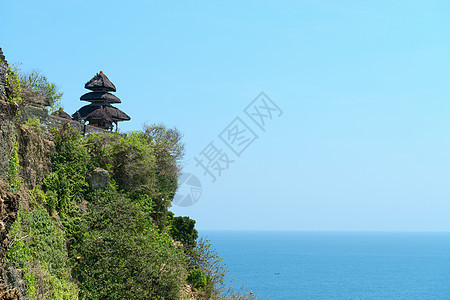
[
  {"x": 38, "y": 247},
  {"x": 13, "y": 85},
  {"x": 120, "y": 242},
  {"x": 39, "y": 84},
  {"x": 132, "y": 259},
  {"x": 14, "y": 170},
  {"x": 33, "y": 124},
  {"x": 17, "y": 81},
  {"x": 183, "y": 230}
]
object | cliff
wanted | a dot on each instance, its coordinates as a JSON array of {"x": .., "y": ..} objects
[
  {"x": 11, "y": 286},
  {"x": 87, "y": 215}
]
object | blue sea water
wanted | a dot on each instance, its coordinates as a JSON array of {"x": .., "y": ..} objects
[{"x": 337, "y": 265}]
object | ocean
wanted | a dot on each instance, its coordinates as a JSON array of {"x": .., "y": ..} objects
[{"x": 337, "y": 265}]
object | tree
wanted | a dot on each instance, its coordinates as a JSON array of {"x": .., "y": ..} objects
[
  {"x": 123, "y": 256},
  {"x": 39, "y": 84},
  {"x": 145, "y": 164},
  {"x": 183, "y": 230}
]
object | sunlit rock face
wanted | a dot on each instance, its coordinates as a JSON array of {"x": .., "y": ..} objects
[{"x": 3, "y": 72}]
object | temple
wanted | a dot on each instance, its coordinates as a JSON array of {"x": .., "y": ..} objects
[{"x": 100, "y": 112}]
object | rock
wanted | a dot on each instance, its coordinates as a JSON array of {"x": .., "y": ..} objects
[
  {"x": 7, "y": 132},
  {"x": 3, "y": 74},
  {"x": 34, "y": 156},
  {"x": 16, "y": 282},
  {"x": 29, "y": 97},
  {"x": 98, "y": 179}
]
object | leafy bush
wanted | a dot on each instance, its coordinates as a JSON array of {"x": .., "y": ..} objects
[
  {"x": 200, "y": 281},
  {"x": 207, "y": 259},
  {"x": 38, "y": 247},
  {"x": 183, "y": 230},
  {"x": 14, "y": 170},
  {"x": 145, "y": 164},
  {"x": 129, "y": 158},
  {"x": 13, "y": 86},
  {"x": 71, "y": 163},
  {"x": 39, "y": 83},
  {"x": 123, "y": 256}
]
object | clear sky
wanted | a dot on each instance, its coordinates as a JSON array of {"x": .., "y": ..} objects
[{"x": 363, "y": 142}]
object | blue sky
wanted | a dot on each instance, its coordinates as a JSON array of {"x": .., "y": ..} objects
[{"x": 363, "y": 142}]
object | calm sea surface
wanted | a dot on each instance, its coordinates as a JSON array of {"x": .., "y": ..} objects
[{"x": 342, "y": 265}]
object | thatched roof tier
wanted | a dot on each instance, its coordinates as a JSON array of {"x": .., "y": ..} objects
[
  {"x": 62, "y": 114},
  {"x": 115, "y": 113},
  {"x": 100, "y": 114},
  {"x": 100, "y": 97},
  {"x": 100, "y": 83}
]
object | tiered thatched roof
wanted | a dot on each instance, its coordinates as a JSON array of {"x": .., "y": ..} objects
[
  {"x": 100, "y": 83},
  {"x": 86, "y": 112},
  {"x": 100, "y": 97},
  {"x": 100, "y": 112}
]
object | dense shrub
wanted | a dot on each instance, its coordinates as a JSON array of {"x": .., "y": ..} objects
[
  {"x": 14, "y": 170},
  {"x": 123, "y": 256},
  {"x": 39, "y": 84},
  {"x": 145, "y": 164},
  {"x": 13, "y": 85},
  {"x": 182, "y": 229},
  {"x": 71, "y": 163},
  {"x": 38, "y": 247}
]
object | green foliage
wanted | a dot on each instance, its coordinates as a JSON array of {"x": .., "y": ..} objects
[
  {"x": 117, "y": 243},
  {"x": 33, "y": 124},
  {"x": 71, "y": 163},
  {"x": 38, "y": 247},
  {"x": 199, "y": 281},
  {"x": 39, "y": 83},
  {"x": 206, "y": 258},
  {"x": 123, "y": 256},
  {"x": 13, "y": 86},
  {"x": 129, "y": 158},
  {"x": 145, "y": 164},
  {"x": 14, "y": 170},
  {"x": 183, "y": 230}
]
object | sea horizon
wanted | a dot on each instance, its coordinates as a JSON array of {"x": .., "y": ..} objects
[
  {"x": 324, "y": 231},
  {"x": 336, "y": 264}
]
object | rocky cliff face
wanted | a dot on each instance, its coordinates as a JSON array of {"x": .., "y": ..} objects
[
  {"x": 8, "y": 113},
  {"x": 11, "y": 283},
  {"x": 34, "y": 157},
  {"x": 3, "y": 70}
]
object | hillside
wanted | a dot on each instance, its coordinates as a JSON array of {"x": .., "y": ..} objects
[{"x": 86, "y": 212}]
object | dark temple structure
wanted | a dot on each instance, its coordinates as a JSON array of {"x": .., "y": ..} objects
[{"x": 100, "y": 112}]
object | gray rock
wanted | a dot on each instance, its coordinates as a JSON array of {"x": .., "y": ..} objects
[
  {"x": 98, "y": 179},
  {"x": 16, "y": 284},
  {"x": 29, "y": 97}
]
